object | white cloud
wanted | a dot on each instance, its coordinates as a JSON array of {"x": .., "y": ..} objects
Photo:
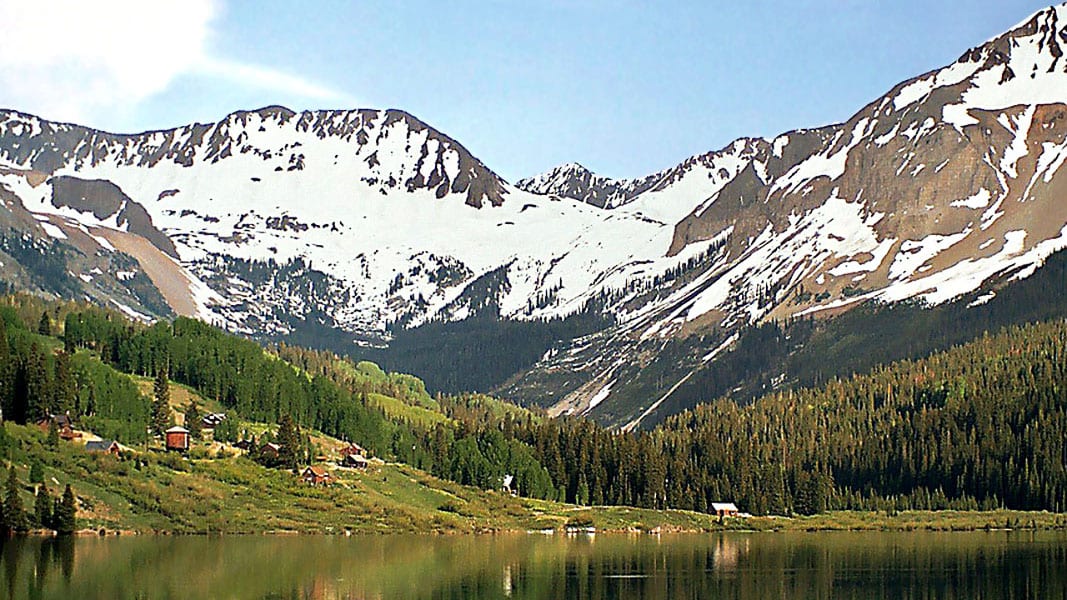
[
  {"x": 74, "y": 59},
  {"x": 266, "y": 78}
]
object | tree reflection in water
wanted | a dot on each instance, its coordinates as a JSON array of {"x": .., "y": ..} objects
[{"x": 720, "y": 565}]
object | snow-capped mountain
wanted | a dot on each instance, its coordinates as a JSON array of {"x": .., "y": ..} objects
[
  {"x": 272, "y": 222},
  {"x": 697, "y": 176},
  {"x": 951, "y": 180},
  {"x": 391, "y": 219}
]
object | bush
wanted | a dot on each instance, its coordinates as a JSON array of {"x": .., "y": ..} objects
[
  {"x": 449, "y": 507},
  {"x": 580, "y": 521}
]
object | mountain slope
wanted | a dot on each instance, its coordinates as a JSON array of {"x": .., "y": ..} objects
[
  {"x": 371, "y": 226},
  {"x": 950, "y": 180}
]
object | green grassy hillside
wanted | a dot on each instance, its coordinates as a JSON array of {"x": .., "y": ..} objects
[{"x": 156, "y": 491}]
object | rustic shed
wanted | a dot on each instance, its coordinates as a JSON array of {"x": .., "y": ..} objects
[
  {"x": 104, "y": 446},
  {"x": 353, "y": 450},
  {"x": 724, "y": 509},
  {"x": 177, "y": 438},
  {"x": 354, "y": 461}
]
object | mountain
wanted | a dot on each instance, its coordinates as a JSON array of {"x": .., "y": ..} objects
[
  {"x": 698, "y": 177},
  {"x": 950, "y": 181},
  {"x": 371, "y": 232}
]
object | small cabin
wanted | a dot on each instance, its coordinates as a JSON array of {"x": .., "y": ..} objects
[
  {"x": 177, "y": 438},
  {"x": 104, "y": 447},
  {"x": 270, "y": 449},
  {"x": 211, "y": 421},
  {"x": 354, "y": 461},
  {"x": 353, "y": 450},
  {"x": 316, "y": 476},
  {"x": 63, "y": 425},
  {"x": 724, "y": 509}
]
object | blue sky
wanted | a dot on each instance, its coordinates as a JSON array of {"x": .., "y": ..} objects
[{"x": 625, "y": 87}]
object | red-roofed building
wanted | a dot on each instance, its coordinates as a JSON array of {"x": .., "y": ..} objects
[{"x": 316, "y": 476}]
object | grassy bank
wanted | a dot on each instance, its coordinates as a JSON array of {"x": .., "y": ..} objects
[{"x": 159, "y": 492}]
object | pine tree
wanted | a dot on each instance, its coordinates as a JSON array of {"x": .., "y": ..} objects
[
  {"x": 42, "y": 508},
  {"x": 14, "y": 513},
  {"x": 53, "y": 434},
  {"x": 44, "y": 326},
  {"x": 36, "y": 472},
  {"x": 57, "y": 508},
  {"x": 226, "y": 430},
  {"x": 65, "y": 515},
  {"x": 64, "y": 388},
  {"x": 38, "y": 394},
  {"x": 290, "y": 441},
  {"x": 192, "y": 420},
  {"x": 161, "y": 403},
  {"x": 7, "y": 372},
  {"x": 582, "y": 495}
]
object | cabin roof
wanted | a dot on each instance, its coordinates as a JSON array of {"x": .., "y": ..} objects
[
  {"x": 177, "y": 429},
  {"x": 726, "y": 506},
  {"x": 60, "y": 420}
]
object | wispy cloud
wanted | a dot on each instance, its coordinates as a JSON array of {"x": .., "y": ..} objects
[
  {"x": 266, "y": 78},
  {"x": 73, "y": 60}
]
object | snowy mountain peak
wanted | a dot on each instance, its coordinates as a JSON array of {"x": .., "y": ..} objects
[
  {"x": 1033, "y": 48},
  {"x": 699, "y": 176},
  {"x": 572, "y": 180},
  {"x": 388, "y": 150}
]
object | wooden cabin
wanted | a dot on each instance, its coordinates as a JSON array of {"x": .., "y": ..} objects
[
  {"x": 353, "y": 450},
  {"x": 177, "y": 438},
  {"x": 354, "y": 461},
  {"x": 314, "y": 475},
  {"x": 104, "y": 446},
  {"x": 211, "y": 421},
  {"x": 63, "y": 425},
  {"x": 724, "y": 509},
  {"x": 270, "y": 449}
]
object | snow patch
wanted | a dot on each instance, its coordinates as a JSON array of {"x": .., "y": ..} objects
[
  {"x": 916, "y": 253},
  {"x": 979, "y": 200},
  {"x": 600, "y": 396},
  {"x": 52, "y": 230}
]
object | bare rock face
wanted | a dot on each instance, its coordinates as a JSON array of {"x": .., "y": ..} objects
[
  {"x": 104, "y": 200},
  {"x": 947, "y": 165}
]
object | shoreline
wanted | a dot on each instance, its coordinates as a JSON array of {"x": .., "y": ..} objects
[{"x": 837, "y": 521}]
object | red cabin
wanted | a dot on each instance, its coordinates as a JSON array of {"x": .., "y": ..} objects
[
  {"x": 177, "y": 438},
  {"x": 316, "y": 476}
]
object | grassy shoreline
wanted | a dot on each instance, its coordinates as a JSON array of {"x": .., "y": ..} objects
[
  {"x": 155, "y": 492},
  {"x": 670, "y": 523}
]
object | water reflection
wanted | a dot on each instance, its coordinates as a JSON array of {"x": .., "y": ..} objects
[{"x": 741, "y": 566}]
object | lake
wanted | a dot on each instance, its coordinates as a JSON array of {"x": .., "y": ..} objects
[{"x": 977, "y": 565}]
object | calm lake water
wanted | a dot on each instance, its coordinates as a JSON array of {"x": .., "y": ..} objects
[{"x": 1002, "y": 565}]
